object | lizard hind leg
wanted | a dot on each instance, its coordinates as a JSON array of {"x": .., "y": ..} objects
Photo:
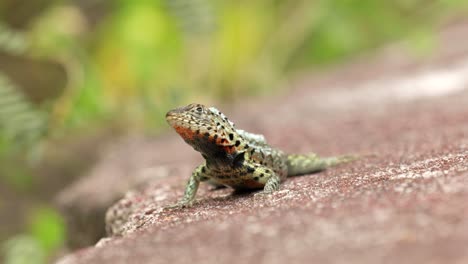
[
  {"x": 305, "y": 164},
  {"x": 256, "y": 176},
  {"x": 266, "y": 177},
  {"x": 272, "y": 184}
]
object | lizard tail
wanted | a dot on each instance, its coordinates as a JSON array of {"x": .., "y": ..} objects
[{"x": 306, "y": 164}]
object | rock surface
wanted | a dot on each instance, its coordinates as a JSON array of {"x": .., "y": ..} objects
[
  {"x": 123, "y": 165},
  {"x": 404, "y": 201}
]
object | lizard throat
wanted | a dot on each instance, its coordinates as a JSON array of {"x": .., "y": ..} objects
[
  {"x": 205, "y": 143},
  {"x": 185, "y": 133}
]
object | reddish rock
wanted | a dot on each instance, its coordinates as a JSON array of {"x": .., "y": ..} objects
[{"x": 404, "y": 201}]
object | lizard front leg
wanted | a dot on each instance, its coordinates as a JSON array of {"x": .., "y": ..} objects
[{"x": 198, "y": 175}]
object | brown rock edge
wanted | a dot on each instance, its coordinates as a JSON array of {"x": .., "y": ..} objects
[{"x": 404, "y": 201}]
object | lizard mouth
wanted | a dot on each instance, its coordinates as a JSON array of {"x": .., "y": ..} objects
[
  {"x": 172, "y": 117},
  {"x": 172, "y": 114},
  {"x": 175, "y": 118}
]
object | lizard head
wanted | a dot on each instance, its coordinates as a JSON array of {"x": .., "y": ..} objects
[{"x": 206, "y": 129}]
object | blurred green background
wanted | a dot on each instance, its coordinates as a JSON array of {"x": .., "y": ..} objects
[{"x": 74, "y": 74}]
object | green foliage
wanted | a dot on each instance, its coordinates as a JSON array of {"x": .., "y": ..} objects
[
  {"x": 85, "y": 104},
  {"x": 147, "y": 56},
  {"x": 137, "y": 66},
  {"x": 47, "y": 227},
  {"x": 11, "y": 41},
  {"x": 194, "y": 17},
  {"x": 21, "y": 124},
  {"x": 45, "y": 235},
  {"x": 23, "y": 249}
]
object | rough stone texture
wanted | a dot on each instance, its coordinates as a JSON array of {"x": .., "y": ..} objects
[
  {"x": 405, "y": 201},
  {"x": 126, "y": 164}
]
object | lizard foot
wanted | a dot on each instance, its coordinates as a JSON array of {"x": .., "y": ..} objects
[
  {"x": 180, "y": 204},
  {"x": 262, "y": 195}
]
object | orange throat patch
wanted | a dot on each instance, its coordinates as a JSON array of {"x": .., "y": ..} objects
[{"x": 185, "y": 133}]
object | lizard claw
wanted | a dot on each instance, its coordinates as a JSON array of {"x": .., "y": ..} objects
[
  {"x": 180, "y": 204},
  {"x": 261, "y": 195}
]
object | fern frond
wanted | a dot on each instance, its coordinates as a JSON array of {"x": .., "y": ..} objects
[
  {"x": 21, "y": 123},
  {"x": 12, "y": 41}
]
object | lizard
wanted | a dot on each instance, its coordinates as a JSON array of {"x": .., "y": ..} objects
[{"x": 236, "y": 158}]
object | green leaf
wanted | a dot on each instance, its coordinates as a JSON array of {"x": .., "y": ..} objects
[
  {"x": 23, "y": 249},
  {"x": 48, "y": 227}
]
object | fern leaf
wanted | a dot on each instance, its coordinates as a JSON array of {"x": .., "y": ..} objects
[
  {"x": 21, "y": 123},
  {"x": 12, "y": 41}
]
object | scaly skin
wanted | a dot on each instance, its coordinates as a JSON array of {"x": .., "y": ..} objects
[{"x": 234, "y": 157}]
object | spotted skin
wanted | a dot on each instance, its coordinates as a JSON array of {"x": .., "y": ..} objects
[{"x": 234, "y": 157}]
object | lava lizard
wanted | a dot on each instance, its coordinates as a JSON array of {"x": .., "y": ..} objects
[{"x": 234, "y": 157}]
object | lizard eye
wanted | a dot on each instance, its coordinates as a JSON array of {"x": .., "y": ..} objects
[{"x": 199, "y": 109}]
